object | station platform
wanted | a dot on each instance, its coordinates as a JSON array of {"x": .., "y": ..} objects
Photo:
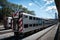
[
  {"x": 57, "y": 37},
  {"x": 46, "y": 34}
]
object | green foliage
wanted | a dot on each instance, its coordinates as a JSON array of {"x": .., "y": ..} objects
[
  {"x": 8, "y": 7},
  {"x": 31, "y": 12}
]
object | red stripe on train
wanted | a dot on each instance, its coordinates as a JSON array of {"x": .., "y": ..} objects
[{"x": 21, "y": 29}]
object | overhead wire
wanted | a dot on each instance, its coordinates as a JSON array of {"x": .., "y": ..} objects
[
  {"x": 39, "y": 5},
  {"x": 35, "y": 3}
]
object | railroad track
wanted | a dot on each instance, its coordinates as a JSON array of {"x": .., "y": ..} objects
[
  {"x": 5, "y": 31},
  {"x": 1, "y": 28}
]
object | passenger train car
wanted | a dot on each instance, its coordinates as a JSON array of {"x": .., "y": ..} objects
[
  {"x": 25, "y": 22},
  {"x": 31, "y": 22}
]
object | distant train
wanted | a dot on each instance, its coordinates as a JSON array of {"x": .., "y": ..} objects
[{"x": 7, "y": 23}]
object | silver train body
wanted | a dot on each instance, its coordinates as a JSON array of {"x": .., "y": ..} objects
[{"x": 31, "y": 22}]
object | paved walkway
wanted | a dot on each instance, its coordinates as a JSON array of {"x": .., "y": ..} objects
[
  {"x": 46, "y": 34},
  {"x": 57, "y": 37}
]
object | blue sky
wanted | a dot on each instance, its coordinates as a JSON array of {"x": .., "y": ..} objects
[{"x": 42, "y": 8}]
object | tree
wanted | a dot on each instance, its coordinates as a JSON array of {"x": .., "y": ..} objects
[
  {"x": 3, "y": 3},
  {"x": 8, "y": 7},
  {"x": 25, "y": 10},
  {"x": 31, "y": 12}
]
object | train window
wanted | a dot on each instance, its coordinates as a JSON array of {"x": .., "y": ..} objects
[
  {"x": 36, "y": 18},
  {"x": 30, "y": 25},
  {"x": 33, "y": 18},
  {"x": 25, "y": 25},
  {"x": 30, "y": 17},
  {"x": 33, "y": 24},
  {"x": 36, "y": 24},
  {"x": 39, "y": 24},
  {"x": 25, "y": 16}
]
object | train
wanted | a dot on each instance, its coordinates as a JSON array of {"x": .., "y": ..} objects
[
  {"x": 31, "y": 22},
  {"x": 27, "y": 21},
  {"x": 23, "y": 22},
  {"x": 7, "y": 23}
]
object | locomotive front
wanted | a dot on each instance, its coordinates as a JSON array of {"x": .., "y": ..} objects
[{"x": 17, "y": 22}]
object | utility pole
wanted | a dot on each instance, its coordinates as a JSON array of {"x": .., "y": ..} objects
[{"x": 55, "y": 15}]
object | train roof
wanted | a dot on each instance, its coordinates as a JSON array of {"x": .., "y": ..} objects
[{"x": 30, "y": 15}]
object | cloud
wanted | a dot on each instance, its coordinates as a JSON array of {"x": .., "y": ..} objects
[
  {"x": 30, "y": 4},
  {"x": 49, "y": 1},
  {"x": 24, "y": 6},
  {"x": 51, "y": 8}
]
